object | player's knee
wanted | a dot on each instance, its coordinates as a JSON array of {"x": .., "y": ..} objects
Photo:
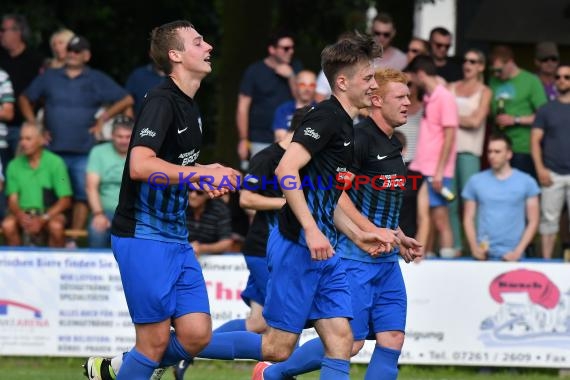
[
  {"x": 9, "y": 225},
  {"x": 277, "y": 351},
  {"x": 196, "y": 341},
  {"x": 356, "y": 347},
  {"x": 391, "y": 339},
  {"x": 56, "y": 228}
]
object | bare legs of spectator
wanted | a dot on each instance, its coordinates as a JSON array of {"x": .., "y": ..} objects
[
  {"x": 55, "y": 228},
  {"x": 440, "y": 217},
  {"x": 423, "y": 219},
  {"x": 80, "y": 213},
  {"x": 548, "y": 241}
]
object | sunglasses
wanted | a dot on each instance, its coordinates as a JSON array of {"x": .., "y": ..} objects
[
  {"x": 286, "y": 48},
  {"x": 383, "y": 34},
  {"x": 552, "y": 58},
  {"x": 414, "y": 51},
  {"x": 471, "y": 61},
  {"x": 496, "y": 70},
  {"x": 439, "y": 46},
  {"x": 303, "y": 85},
  {"x": 558, "y": 77}
]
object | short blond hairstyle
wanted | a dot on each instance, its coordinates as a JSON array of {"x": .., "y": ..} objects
[
  {"x": 66, "y": 34},
  {"x": 385, "y": 76}
]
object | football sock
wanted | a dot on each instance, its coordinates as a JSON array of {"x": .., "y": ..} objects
[
  {"x": 383, "y": 364},
  {"x": 233, "y": 325},
  {"x": 335, "y": 369},
  {"x": 136, "y": 366},
  {"x": 306, "y": 358},
  {"x": 174, "y": 352},
  {"x": 233, "y": 345}
]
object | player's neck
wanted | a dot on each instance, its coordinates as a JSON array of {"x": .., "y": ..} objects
[
  {"x": 381, "y": 123},
  {"x": 348, "y": 107},
  {"x": 186, "y": 83}
]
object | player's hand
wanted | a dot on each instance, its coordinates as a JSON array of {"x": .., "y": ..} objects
[
  {"x": 376, "y": 242},
  {"x": 223, "y": 177},
  {"x": 544, "y": 177},
  {"x": 217, "y": 193},
  {"x": 243, "y": 149},
  {"x": 284, "y": 70},
  {"x": 319, "y": 245},
  {"x": 410, "y": 249}
]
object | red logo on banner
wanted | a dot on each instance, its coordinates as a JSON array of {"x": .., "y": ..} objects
[{"x": 539, "y": 288}]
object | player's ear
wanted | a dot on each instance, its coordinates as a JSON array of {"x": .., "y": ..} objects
[
  {"x": 342, "y": 82},
  {"x": 174, "y": 55},
  {"x": 376, "y": 100}
]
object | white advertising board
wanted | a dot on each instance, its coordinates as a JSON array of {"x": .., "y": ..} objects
[{"x": 459, "y": 312}]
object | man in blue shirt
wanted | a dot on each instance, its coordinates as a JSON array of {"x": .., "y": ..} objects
[
  {"x": 72, "y": 96},
  {"x": 141, "y": 80},
  {"x": 505, "y": 201}
]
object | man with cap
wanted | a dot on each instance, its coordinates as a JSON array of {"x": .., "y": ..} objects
[
  {"x": 546, "y": 59},
  {"x": 72, "y": 96}
]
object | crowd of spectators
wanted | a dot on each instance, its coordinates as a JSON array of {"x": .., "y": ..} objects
[{"x": 62, "y": 171}]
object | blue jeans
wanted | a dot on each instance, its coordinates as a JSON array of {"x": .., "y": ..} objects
[{"x": 77, "y": 167}]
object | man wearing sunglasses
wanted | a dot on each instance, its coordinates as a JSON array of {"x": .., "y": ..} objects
[
  {"x": 440, "y": 42},
  {"x": 549, "y": 144},
  {"x": 517, "y": 94},
  {"x": 546, "y": 61},
  {"x": 384, "y": 31},
  {"x": 265, "y": 85}
]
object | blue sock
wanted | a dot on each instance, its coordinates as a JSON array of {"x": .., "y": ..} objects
[
  {"x": 335, "y": 369},
  {"x": 306, "y": 358},
  {"x": 174, "y": 352},
  {"x": 233, "y": 345},
  {"x": 383, "y": 364},
  {"x": 233, "y": 325},
  {"x": 136, "y": 367}
]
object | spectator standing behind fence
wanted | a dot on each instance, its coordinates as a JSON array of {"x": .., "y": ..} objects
[
  {"x": 306, "y": 82},
  {"x": 517, "y": 94},
  {"x": 104, "y": 174},
  {"x": 546, "y": 58},
  {"x": 550, "y": 144},
  {"x": 22, "y": 65},
  {"x": 39, "y": 192},
  {"x": 7, "y": 101},
  {"x": 447, "y": 67},
  {"x": 141, "y": 80},
  {"x": 72, "y": 96},
  {"x": 505, "y": 201},
  {"x": 436, "y": 148},
  {"x": 209, "y": 224},
  {"x": 384, "y": 31},
  {"x": 473, "y": 100},
  {"x": 417, "y": 46},
  {"x": 58, "y": 45},
  {"x": 265, "y": 85}
]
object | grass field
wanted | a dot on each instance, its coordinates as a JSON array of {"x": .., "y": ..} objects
[{"x": 12, "y": 368}]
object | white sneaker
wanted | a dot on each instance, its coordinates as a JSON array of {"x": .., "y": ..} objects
[{"x": 98, "y": 368}]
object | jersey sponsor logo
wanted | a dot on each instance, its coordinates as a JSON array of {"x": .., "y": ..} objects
[
  {"x": 381, "y": 157},
  {"x": 189, "y": 158},
  {"x": 312, "y": 133},
  {"x": 147, "y": 132},
  {"x": 181, "y": 130}
]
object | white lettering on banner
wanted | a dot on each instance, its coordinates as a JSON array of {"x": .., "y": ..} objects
[{"x": 459, "y": 312}]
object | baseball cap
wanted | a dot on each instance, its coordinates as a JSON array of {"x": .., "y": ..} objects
[
  {"x": 545, "y": 50},
  {"x": 78, "y": 43}
]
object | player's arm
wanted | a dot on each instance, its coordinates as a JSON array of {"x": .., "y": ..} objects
[
  {"x": 255, "y": 201},
  {"x": 145, "y": 166},
  {"x": 348, "y": 210},
  {"x": 293, "y": 160},
  {"x": 532, "y": 219}
]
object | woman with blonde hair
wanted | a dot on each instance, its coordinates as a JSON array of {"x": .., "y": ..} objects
[
  {"x": 58, "y": 44},
  {"x": 473, "y": 100}
]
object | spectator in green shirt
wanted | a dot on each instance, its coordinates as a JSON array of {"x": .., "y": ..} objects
[
  {"x": 517, "y": 94},
  {"x": 104, "y": 173},
  {"x": 38, "y": 190}
]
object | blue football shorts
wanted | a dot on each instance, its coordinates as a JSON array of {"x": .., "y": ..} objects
[
  {"x": 301, "y": 290},
  {"x": 379, "y": 300},
  {"x": 256, "y": 287},
  {"x": 161, "y": 280}
]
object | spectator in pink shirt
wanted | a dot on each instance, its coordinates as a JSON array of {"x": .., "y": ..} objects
[{"x": 436, "y": 148}]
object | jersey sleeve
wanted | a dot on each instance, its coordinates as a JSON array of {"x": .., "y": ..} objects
[
  {"x": 94, "y": 162},
  {"x": 540, "y": 118},
  {"x": 316, "y": 130},
  {"x": 469, "y": 192},
  {"x": 153, "y": 123}
]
